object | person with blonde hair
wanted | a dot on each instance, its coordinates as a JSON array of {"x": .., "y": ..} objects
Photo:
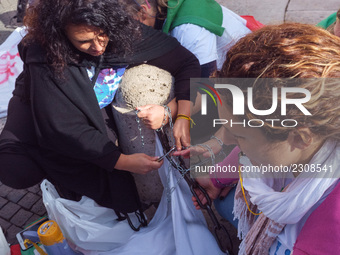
[
  {"x": 295, "y": 210},
  {"x": 331, "y": 23}
]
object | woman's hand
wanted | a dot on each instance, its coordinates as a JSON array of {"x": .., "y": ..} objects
[
  {"x": 197, "y": 150},
  {"x": 138, "y": 163},
  {"x": 182, "y": 125},
  {"x": 209, "y": 187},
  {"x": 152, "y": 115},
  {"x": 212, "y": 191},
  {"x": 182, "y": 133}
]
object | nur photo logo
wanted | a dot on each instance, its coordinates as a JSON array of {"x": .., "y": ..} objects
[
  {"x": 245, "y": 97},
  {"x": 207, "y": 88}
]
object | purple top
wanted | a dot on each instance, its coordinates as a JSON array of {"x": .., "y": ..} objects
[{"x": 320, "y": 234}]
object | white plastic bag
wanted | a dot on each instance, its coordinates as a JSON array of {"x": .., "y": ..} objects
[
  {"x": 177, "y": 228},
  {"x": 85, "y": 223},
  {"x": 10, "y": 67},
  {"x": 4, "y": 247}
]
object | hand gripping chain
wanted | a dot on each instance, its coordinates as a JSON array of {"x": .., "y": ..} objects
[{"x": 219, "y": 229}]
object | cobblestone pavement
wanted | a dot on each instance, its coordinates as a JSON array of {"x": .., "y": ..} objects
[{"x": 20, "y": 207}]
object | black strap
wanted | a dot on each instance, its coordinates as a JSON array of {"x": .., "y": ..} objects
[
  {"x": 140, "y": 216},
  {"x": 153, "y": 44}
]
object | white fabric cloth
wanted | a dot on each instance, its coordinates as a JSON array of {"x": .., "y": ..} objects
[
  {"x": 301, "y": 197},
  {"x": 10, "y": 67},
  {"x": 207, "y": 46},
  {"x": 176, "y": 229},
  {"x": 285, "y": 207}
]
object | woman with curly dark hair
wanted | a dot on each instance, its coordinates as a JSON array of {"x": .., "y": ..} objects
[{"x": 60, "y": 125}]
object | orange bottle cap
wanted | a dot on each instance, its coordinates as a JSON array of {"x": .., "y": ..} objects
[{"x": 50, "y": 233}]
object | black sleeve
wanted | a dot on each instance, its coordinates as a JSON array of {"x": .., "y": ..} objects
[
  {"x": 163, "y": 51},
  {"x": 68, "y": 120},
  {"x": 208, "y": 69},
  {"x": 183, "y": 65}
]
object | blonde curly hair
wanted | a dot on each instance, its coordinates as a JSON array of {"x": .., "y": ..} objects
[{"x": 290, "y": 51}]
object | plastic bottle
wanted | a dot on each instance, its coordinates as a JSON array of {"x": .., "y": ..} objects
[{"x": 53, "y": 240}]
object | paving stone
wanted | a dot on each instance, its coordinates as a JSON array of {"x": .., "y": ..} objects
[
  {"x": 29, "y": 200},
  {"x": 9, "y": 5},
  {"x": 11, "y": 234},
  {"x": 307, "y": 17},
  {"x": 3, "y": 202},
  {"x": 39, "y": 208},
  {"x": 265, "y": 11},
  {"x": 33, "y": 218},
  {"x": 9, "y": 210},
  {"x": 4, "y": 224},
  {"x": 34, "y": 189},
  {"x": 4, "y": 190},
  {"x": 306, "y": 5},
  {"x": 21, "y": 217},
  {"x": 15, "y": 195},
  {"x": 5, "y": 4}
]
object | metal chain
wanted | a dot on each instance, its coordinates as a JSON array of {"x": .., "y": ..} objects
[
  {"x": 139, "y": 128},
  {"x": 167, "y": 113},
  {"x": 193, "y": 185},
  {"x": 185, "y": 174}
]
